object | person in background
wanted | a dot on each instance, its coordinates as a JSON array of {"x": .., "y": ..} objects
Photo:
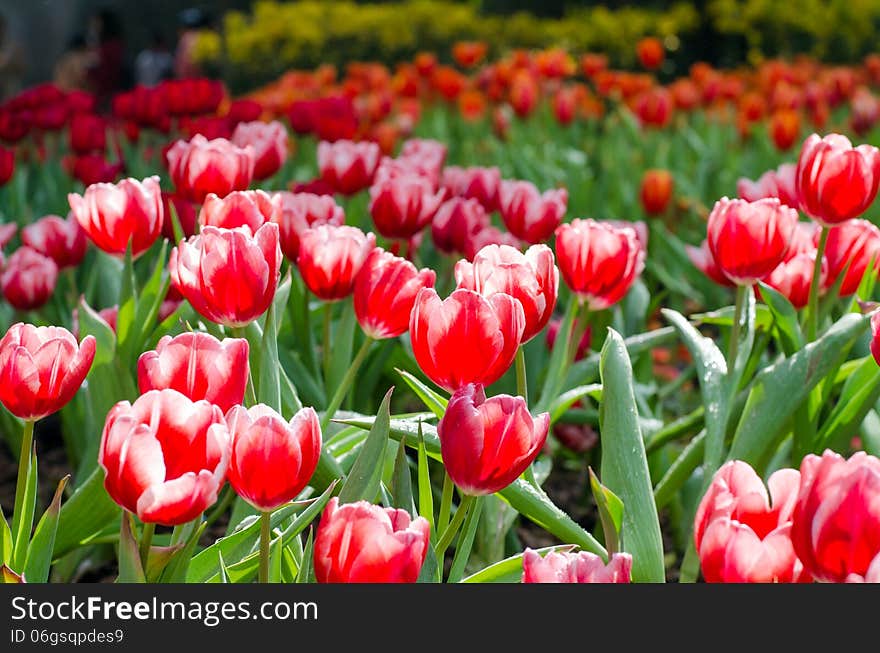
[
  {"x": 107, "y": 74},
  {"x": 192, "y": 21},
  {"x": 71, "y": 71},
  {"x": 12, "y": 62},
  {"x": 155, "y": 63}
]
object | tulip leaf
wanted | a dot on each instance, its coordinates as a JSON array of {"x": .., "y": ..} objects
[
  {"x": 150, "y": 298},
  {"x": 567, "y": 399},
  {"x": 724, "y": 317},
  {"x": 466, "y": 540},
  {"x": 785, "y": 319},
  {"x": 23, "y": 519},
  {"x": 401, "y": 486},
  {"x": 224, "y": 573},
  {"x": 85, "y": 514},
  {"x": 269, "y": 385},
  {"x": 127, "y": 314},
  {"x": 780, "y": 389},
  {"x": 610, "y": 512},
  {"x": 859, "y": 395},
  {"x": 5, "y": 540},
  {"x": 624, "y": 463},
  {"x": 159, "y": 558},
  {"x": 39, "y": 555},
  {"x": 560, "y": 356},
  {"x": 363, "y": 480},
  {"x": 426, "y": 495},
  {"x": 130, "y": 568},
  {"x": 433, "y": 400},
  {"x": 342, "y": 346},
  {"x": 276, "y": 553},
  {"x": 177, "y": 569},
  {"x": 91, "y": 323},
  {"x": 306, "y": 572},
  {"x": 176, "y": 228},
  {"x": 510, "y": 570}
]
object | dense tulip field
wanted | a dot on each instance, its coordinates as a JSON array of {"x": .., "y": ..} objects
[{"x": 526, "y": 320}]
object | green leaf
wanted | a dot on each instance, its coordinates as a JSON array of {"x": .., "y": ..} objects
[
  {"x": 434, "y": 401},
  {"x": 177, "y": 570},
  {"x": 343, "y": 341},
  {"x": 401, "y": 485},
  {"x": 859, "y": 395},
  {"x": 39, "y": 555},
  {"x": 363, "y": 480},
  {"x": 5, "y": 540},
  {"x": 680, "y": 470},
  {"x": 130, "y": 568},
  {"x": 466, "y": 540},
  {"x": 23, "y": 519},
  {"x": 724, "y": 317},
  {"x": 610, "y": 512},
  {"x": 90, "y": 323},
  {"x": 85, "y": 514},
  {"x": 624, "y": 464},
  {"x": 510, "y": 570},
  {"x": 125, "y": 318},
  {"x": 785, "y": 319},
  {"x": 275, "y": 555},
  {"x": 558, "y": 365},
  {"x": 159, "y": 558},
  {"x": 150, "y": 300},
  {"x": 778, "y": 390},
  {"x": 176, "y": 229},
  {"x": 307, "y": 566},
  {"x": 269, "y": 385},
  {"x": 568, "y": 399},
  {"x": 426, "y": 496}
]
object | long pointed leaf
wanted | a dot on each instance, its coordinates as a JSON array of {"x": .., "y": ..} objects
[
  {"x": 39, "y": 556},
  {"x": 363, "y": 480}
]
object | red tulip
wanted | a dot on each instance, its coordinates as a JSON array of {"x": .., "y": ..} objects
[
  {"x": 599, "y": 261},
  {"x": 272, "y": 460},
  {"x": 532, "y": 278},
  {"x": 87, "y": 133},
  {"x": 836, "y": 521},
  {"x": 835, "y": 181},
  {"x": 529, "y": 214},
  {"x": 384, "y": 293},
  {"x": 199, "y": 366},
  {"x": 465, "y": 338},
  {"x": 62, "y": 240},
  {"x": 348, "y": 166},
  {"x": 656, "y": 191},
  {"x": 742, "y": 533},
  {"x": 269, "y": 141},
  {"x": 199, "y": 167},
  {"x": 654, "y": 107},
  {"x": 427, "y": 154},
  {"x": 186, "y": 215},
  {"x": 523, "y": 93},
  {"x": 42, "y": 368},
  {"x": 478, "y": 183},
  {"x": 243, "y": 111},
  {"x": 564, "y": 105},
  {"x": 489, "y": 235},
  {"x": 114, "y": 215},
  {"x": 487, "y": 443},
  {"x": 702, "y": 259},
  {"x": 779, "y": 183},
  {"x": 580, "y": 567},
  {"x": 749, "y": 239},
  {"x": 875, "y": 336},
  {"x": 164, "y": 456},
  {"x": 650, "y": 52},
  {"x": 785, "y": 128},
  {"x": 456, "y": 222},
  {"x": 92, "y": 168},
  {"x": 228, "y": 275},
  {"x": 330, "y": 258},
  {"x": 301, "y": 211},
  {"x": 7, "y": 164},
  {"x": 28, "y": 279},
  {"x": 792, "y": 278},
  {"x": 855, "y": 243},
  {"x": 240, "y": 208},
  {"x": 402, "y": 205},
  {"x": 364, "y": 543}
]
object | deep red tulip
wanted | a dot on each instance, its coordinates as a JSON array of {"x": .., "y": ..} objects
[
  {"x": 62, "y": 240},
  {"x": 835, "y": 181},
  {"x": 244, "y": 110},
  {"x": 489, "y": 235},
  {"x": 465, "y": 338},
  {"x": 779, "y": 183},
  {"x": 654, "y": 107},
  {"x": 529, "y": 214},
  {"x": 456, "y": 222},
  {"x": 301, "y": 211},
  {"x": 164, "y": 456},
  {"x": 7, "y": 164},
  {"x": 703, "y": 260},
  {"x": 347, "y": 166},
  {"x": 228, "y": 275},
  {"x": 198, "y": 167},
  {"x": 87, "y": 133},
  {"x": 402, "y": 205},
  {"x": 580, "y": 567},
  {"x": 199, "y": 366},
  {"x": 475, "y": 182},
  {"x": 114, "y": 215},
  {"x": 28, "y": 279},
  {"x": 742, "y": 532},
  {"x": 92, "y": 168},
  {"x": 749, "y": 239},
  {"x": 836, "y": 520},
  {"x": 532, "y": 278},
  {"x": 240, "y": 208},
  {"x": 272, "y": 459},
  {"x": 330, "y": 258},
  {"x": 599, "y": 261},
  {"x": 523, "y": 95},
  {"x": 364, "y": 543},
  {"x": 793, "y": 277},
  {"x": 186, "y": 215},
  {"x": 656, "y": 191},
  {"x": 269, "y": 141},
  {"x": 854, "y": 243},
  {"x": 565, "y": 105},
  {"x": 385, "y": 290},
  {"x": 487, "y": 443},
  {"x": 42, "y": 368}
]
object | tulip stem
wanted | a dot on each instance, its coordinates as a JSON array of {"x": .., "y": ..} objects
[
  {"x": 20, "y": 529},
  {"x": 250, "y": 390},
  {"x": 346, "y": 383},
  {"x": 265, "y": 539},
  {"x": 457, "y": 520},
  {"x": 813, "y": 302},
  {"x": 325, "y": 346},
  {"x": 146, "y": 541},
  {"x": 445, "y": 503},
  {"x": 733, "y": 345},
  {"x": 522, "y": 385}
]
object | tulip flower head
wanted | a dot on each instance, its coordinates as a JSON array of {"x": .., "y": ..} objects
[
  {"x": 330, "y": 258},
  {"x": 580, "y": 567}
]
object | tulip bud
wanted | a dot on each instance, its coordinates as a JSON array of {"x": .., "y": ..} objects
[
  {"x": 364, "y": 543},
  {"x": 272, "y": 460},
  {"x": 43, "y": 367},
  {"x": 164, "y": 456},
  {"x": 301, "y": 211},
  {"x": 402, "y": 205},
  {"x": 240, "y": 208},
  {"x": 477, "y": 183},
  {"x": 457, "y": 221},
  {"x": 580, "y": 567},
  {"x": 656, "y": 191},
  {"x": 87, "y": 134},
  {"x": 62, "y": 240},
  {"x": 779, "y": 183},
  {"x": 28, "y": 279},
  {"x": 529, "y": 214},
  {"x": 348, "y": 166},
  {"x": 201, "y": 166},
  {"x": 650, "y": 52},
  {"x": 852, "y": 246},
  {"x": 269, "y": 141},
  {"x": 793, "y": 278},
  {"x": 7, "y": 164}
]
